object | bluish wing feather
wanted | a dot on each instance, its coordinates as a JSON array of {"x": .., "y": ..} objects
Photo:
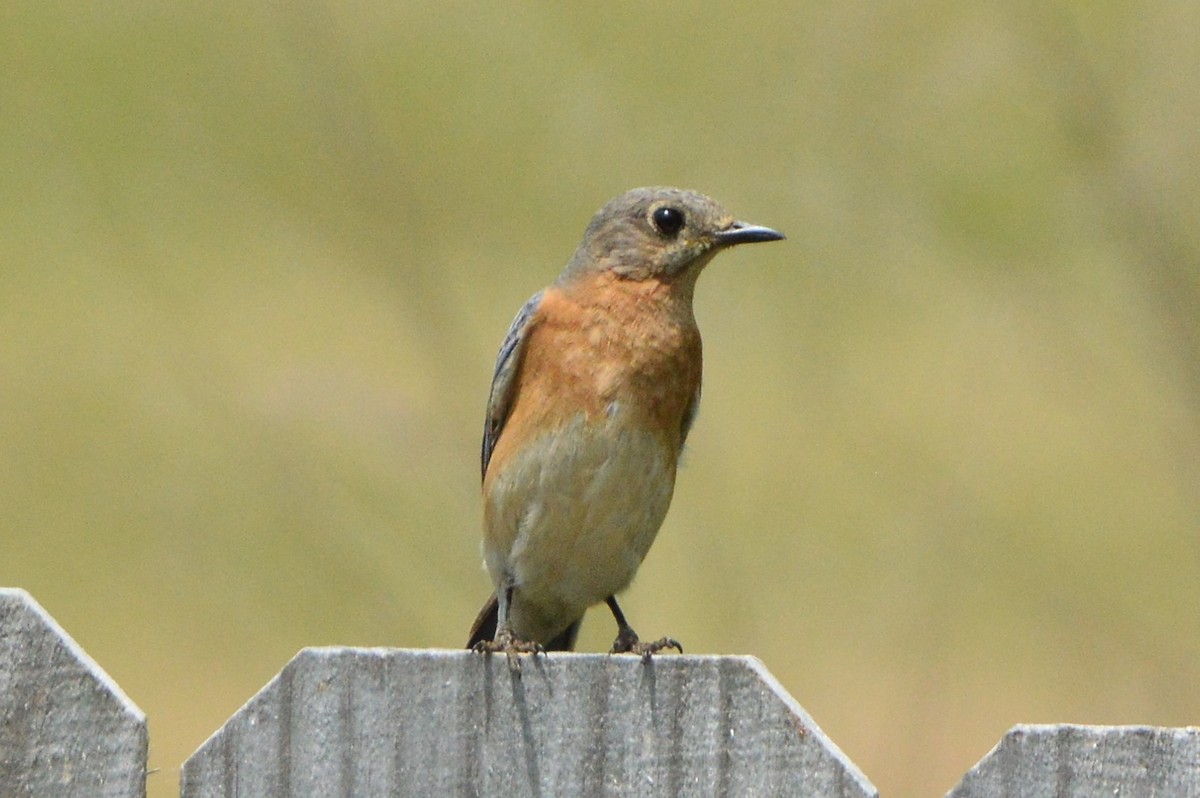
[
  {"x": 689, "y": 417},
  {"x": 504, "y": 378}
]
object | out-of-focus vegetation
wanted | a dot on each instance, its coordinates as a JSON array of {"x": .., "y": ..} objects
[{"x": 257, "y": 259}]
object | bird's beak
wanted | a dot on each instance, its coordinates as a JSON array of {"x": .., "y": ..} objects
[{"x": 743, "y": 233}]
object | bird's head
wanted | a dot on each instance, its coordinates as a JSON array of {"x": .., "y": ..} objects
[{"x": 660, "y": 233}]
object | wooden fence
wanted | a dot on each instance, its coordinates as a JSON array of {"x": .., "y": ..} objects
[{"x": 373, "y": 722}]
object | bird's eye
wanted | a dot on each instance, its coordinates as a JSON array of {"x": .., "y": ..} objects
[{"x": 667, "y": 220}]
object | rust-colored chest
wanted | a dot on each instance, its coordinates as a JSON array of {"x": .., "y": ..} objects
[{"x": 611, "y": 346}]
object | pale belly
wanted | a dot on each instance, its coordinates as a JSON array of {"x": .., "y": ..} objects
[{"x": 571, "y": 518}]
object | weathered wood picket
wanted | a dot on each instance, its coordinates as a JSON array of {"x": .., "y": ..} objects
[{"x": 349, "y": 722}]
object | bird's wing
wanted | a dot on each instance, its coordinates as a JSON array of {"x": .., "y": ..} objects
[
  {"x": 504, "y": 378},
  {"x": 689, "y": 417}
]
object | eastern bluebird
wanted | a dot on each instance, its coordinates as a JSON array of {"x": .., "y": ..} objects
[{"x": 595, "y": 388}]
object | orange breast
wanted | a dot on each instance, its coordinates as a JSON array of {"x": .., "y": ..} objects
[{"x": 602, "y": 342}]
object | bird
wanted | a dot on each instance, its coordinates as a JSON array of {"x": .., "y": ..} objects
[{"x": 594, "y": 391}]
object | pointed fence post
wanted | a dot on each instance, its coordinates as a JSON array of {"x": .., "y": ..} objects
[
  {"x": 1065, "y": 761},
  {"x": 66, "y": 729},
  {"x": 342, "y": 721}
]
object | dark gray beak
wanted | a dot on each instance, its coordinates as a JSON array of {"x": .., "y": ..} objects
[{"x": 743, "y": 233}]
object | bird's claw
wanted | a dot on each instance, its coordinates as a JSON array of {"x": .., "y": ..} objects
[
  {"x": 510, "y": 646},
  {"x": 627, "y": 642}
]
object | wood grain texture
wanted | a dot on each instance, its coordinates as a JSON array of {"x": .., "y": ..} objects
[
  {"x": 1066, "y": 760},
  {"x": 66, "y": 729},
  {"x": 400, "y": 722}
]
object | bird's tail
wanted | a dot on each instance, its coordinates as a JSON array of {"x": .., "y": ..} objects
[{"x": 484, "y": 628}]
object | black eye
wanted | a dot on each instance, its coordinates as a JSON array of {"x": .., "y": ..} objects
[{"x": 668, "y": 220}]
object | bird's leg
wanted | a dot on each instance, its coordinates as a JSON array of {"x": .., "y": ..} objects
[
  {"x": 627, "y": 641},
  {"x": 506, "y": 641}
]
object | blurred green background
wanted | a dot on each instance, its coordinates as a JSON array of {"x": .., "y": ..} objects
[{"x": 257, "y": 260}]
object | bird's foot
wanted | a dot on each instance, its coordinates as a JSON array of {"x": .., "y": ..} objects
[
  {"x": 627, "y": 642},
  {"x": 510, "y": 646}
]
